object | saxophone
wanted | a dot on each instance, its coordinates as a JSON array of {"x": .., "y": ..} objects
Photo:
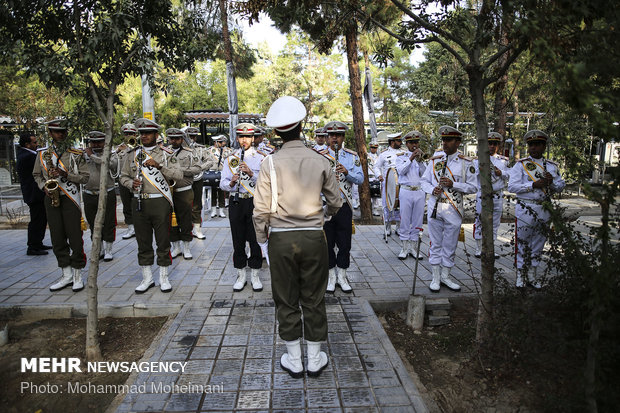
[{"x": 51, "y": 185}]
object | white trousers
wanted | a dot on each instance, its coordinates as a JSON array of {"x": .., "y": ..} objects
[
  {"x": 498, "y": 204},
  {"x": 531, "y": 225},
  {"x": 387, "y": 214},
  {"x": 411, "y": 213},
  {"x": 443, "y": 232}
]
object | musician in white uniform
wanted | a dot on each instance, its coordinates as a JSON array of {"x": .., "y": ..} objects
[
  {"x": 239, "y": 177},
  {"x": 410, "y": 168},
  {"x": 447, "y": 178},
  {"x": 499, "y": 177},
  {"x": 319, "y": 137},
  {"x": 373, "y": 156},
  {"x": 533, "y": 180},
  {"x": 387, "y": 160}
]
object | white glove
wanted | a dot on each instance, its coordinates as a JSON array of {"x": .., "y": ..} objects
[
  {"x": 326, "y": 217},
  {"x": 263, "y": 248}
]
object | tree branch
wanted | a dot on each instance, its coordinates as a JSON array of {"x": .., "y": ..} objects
[
  {"x": 429, "y": 26},
  {"x": 501, "y": 70},
  {"x": 497, "y": 55}
]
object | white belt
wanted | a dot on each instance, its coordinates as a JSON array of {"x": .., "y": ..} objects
[
  {"x": 531, "y": 201},
  {"x": 183, "y": 188},
  {"x": 410, "y": 187},
  {"x": 242, "y": 195},
  {"x": 86, "y": 191},
  {"x": 272, "y": 229},
  {"x": 148, "y": 196}
]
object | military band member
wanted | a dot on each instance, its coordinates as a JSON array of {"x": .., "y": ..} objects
[
  {"x": 412, "y": 199},
  {"x": 130, "y": 135},
  {"x": 239, "y": 178},
  {"x": 320, "y": 137},
  {"x": 338, "y": 230},
  {"x": 289, "y": 211},
  {"x": 373, "y": 156},
  {"x": 93, "y": 155},
  {"x": 447, "y": 178},
  {"x": 59, "y": 170},
  {"x": 219, "y": 152},
  {"x": 533, "y": 179},
  {"x": 385, "y": 161},
  {"x": 148, "y": 170},
  {"x": 262, "y": 147},
  {"x": 499, "y": 177},
  {"x": 182, "y": 194},
  {"x": 205, "y": 161}
]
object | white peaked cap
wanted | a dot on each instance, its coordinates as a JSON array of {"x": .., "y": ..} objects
[{"x": 285, "y": 114}]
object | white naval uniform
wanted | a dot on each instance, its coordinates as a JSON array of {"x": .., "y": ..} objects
[
  {"x": 385, "y": 161},
  {"x": 372, "y": 161},
  {"x": 530, "y": 214},
  {"x": 319, "y": 148},
  {"x": 498, "y": 183},
  {"x": 411, "y": 196},
  {"x": 444, "y": 229}
]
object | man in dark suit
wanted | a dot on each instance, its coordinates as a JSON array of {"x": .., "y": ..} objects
[{"x": 33, "y": 196}]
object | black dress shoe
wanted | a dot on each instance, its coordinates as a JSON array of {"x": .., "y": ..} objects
[
  {"x": 36, "y": 252},
  {"x": 46, "y": 247}
]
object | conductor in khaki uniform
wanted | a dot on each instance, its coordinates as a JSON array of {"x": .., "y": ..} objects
[
  {"x": 182, "y": 193},
  {"x": 288, "y": 209},
  {"x": 93, "y": 154},
  {"x": 59, "y": 170},
  {"x": 148, "y": 170}
]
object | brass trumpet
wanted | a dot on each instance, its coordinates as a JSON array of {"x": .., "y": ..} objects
[
  {"x": 131, "y": 141},
  {"x": 51, "y": 185}
]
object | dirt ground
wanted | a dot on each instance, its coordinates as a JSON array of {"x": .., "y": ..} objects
[
  {"x": 121, "y": 339},
  {"x": 445, "y": 362}
]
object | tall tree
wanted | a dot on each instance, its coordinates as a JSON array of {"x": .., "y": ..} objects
[{"x": 101, "y": 43}]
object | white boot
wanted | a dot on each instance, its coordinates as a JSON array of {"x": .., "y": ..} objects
[
  {"x": 213, "y": 212},
  {"x": 413, "y": 250},
  {"x": 478, "y": 252},
  {"x": 341, "y": 280},
  {"x": 197, "y": 232},
  {"x": 107, "y": 249},
  {"x": 175, "y": 249},
  {"x": 78, "y": 283},
  {"x": 65, "y": 280},
  {"x": 397, "y": 228},
  {"x": 256, "y": 284},
  {"x": 187, "y": 254},
  {"x": 331, "y": 280},
  {"x": 240, "y": 283},
  {"x": 317, "y": 359},
  {"x": 164, "y": 283},
  {"x": 291, "y": 360},
  {"x": 222, "y": 214},
  {"x": 130, "y": 232},
  {"x": 404, "y": 250},
  {"x": 147, "y": 280},
  {"x": 434, "y": 285},
  {"x": 445, "y": 279}
]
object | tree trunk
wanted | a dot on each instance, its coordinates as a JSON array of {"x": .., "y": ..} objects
[
  {"x": 500, "y": 107},
  {"x": 485, "y": 305},
  {"x": 233, "y": 104},
  {"x": 516, "y": 130},
  {"x": 358, "y": 118}
]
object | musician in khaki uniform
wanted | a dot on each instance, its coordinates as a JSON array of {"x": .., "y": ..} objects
[
  {"x": 130, "y": 135},
  {"x": 205, "y": 162},
  {"x": 148, "y": 170},
  {"x": 93, "y": 154},
  {"x": 289, "y": 210},
  {"x": 65, "y": 168},
  {"x": 182, "y": 194}
]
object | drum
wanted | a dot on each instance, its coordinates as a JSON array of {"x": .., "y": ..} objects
[
  {"x": 375, "y": 189},
  {"x": 211, "y": 178},
  {"x": 391, "y": 189}
]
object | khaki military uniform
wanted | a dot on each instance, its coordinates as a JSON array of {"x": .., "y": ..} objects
[
  {"x": 64, "y": 221},
  {"x": 218, "y": 157},
  {"x": 297, "y": 244},
  {"x": 125, "y": 193},
  {"x": 155, "y": 208},
  {"x": 91, "y": 195},
  {"x": 182, "y": 193}
]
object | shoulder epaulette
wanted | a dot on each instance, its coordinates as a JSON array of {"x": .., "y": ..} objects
[
  {"x": 187, "y": 148},
  {"x": 436, "y": 157},
  {"x": 324, "y": 152},
  {"x": 383, "y": 150},
  {"x": 461, "y": 156},
  {"x": 350, "y": 151},
  {"x": 166, "y": 149},
  {"x": 552, "y": 162},
  {"x": 42, "y": 149},
  {"x": 503, "y": 158},
  {"x": 261, "y": 153},
  {"x": 270, "y": 146},
  {"x": 76, "y": 151},
  {"x": 401, "y": 153},
  {"x": 522, "y": 159}
]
